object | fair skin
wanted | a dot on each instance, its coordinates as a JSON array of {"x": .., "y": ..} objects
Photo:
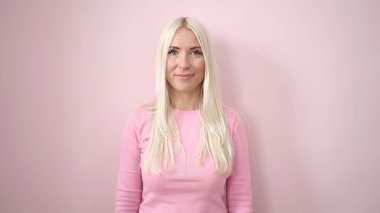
[{"x": 185, "y": 70}]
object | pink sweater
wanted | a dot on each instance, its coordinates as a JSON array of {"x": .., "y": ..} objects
[{"x": 189, "y": 188}]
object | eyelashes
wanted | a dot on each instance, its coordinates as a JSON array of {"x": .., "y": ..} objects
[
  {"x": 194, "y": 53},
  {"x": 197, "y": 52},
  {"x": 172, "y": 52}
]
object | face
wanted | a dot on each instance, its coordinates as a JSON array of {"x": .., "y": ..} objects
[{"x": 185, "y": 65}]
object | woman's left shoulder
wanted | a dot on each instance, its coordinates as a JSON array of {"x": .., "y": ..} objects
[
  {"x": 232, "y": 113},
  {"x": 236, "y": 121},
  {"x": 234, "y": 116}
]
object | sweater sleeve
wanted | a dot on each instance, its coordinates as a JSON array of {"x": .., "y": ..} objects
[
  {"x": 238, "y": 185},
  {"x": 129, "y": 182}
]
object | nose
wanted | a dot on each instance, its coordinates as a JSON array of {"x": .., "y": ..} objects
[{"x": 183, "y": 62}]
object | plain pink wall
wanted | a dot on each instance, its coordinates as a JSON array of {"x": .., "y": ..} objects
[{"x": 305, "y": 73}]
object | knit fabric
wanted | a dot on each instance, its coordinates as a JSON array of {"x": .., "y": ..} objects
[{"x": 189, "y": 187}]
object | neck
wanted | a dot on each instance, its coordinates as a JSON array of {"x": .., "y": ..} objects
[{"x": 185, "y": 100}]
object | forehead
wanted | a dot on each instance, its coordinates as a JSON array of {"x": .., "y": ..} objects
[{"x": 184, "y": 37}]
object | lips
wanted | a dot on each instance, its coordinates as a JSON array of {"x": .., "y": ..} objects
[{"x": 184, "y": 75}]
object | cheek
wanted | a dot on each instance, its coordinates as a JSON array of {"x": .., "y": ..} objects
[
  {"x": 168, "y": 71},
  {"x": 201, "y": 66},
  {"x": 170, "y": 65}
]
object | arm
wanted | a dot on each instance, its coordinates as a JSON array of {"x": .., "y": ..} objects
[
  {"x": 129, "y": 184},
  {"x": 239, "y": 192}
]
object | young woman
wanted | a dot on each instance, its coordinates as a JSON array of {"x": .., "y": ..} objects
[{"x": 186, "y": 152}]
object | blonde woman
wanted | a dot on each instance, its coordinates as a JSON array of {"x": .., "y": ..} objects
[{"x": 185, "y": 152}]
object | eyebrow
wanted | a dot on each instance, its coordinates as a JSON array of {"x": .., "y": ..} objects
[{"x": 174, "y": 47}]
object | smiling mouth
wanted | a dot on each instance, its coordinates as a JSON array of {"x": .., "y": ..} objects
[
  {"x": 184, "y": 77},
  {"x": 187, "y": 75}
]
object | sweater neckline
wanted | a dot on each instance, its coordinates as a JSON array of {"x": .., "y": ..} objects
[{"x": 185, "y": 112}]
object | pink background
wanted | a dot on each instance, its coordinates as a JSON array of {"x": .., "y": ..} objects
[{"x": 305, "y": 73}]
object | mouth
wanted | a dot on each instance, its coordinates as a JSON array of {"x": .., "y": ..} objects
[
  {"x": 184, "y": 76},
  {"x": 187, "y": 75}
]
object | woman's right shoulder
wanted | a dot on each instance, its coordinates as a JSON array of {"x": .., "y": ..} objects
[{"x": 141, "y": 114}]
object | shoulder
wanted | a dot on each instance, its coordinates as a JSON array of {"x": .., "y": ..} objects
[
  {"x": 236, "y": 120},
  {"x": 141, "y": 112},
  {"x": 138, "y": 123},
  {"x": 138, "y": 117},
  {"x": 232, "y": 114}
]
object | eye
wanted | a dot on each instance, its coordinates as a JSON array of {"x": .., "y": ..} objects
[
  {"x": 172, "y": 52},
  {"x": 196, "y": 53}
]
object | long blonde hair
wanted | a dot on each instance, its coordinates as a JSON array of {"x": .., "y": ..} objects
[{"x": 165, "y": 143}]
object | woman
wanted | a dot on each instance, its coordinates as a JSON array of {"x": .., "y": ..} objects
[{"x": 186, "y": 152}]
